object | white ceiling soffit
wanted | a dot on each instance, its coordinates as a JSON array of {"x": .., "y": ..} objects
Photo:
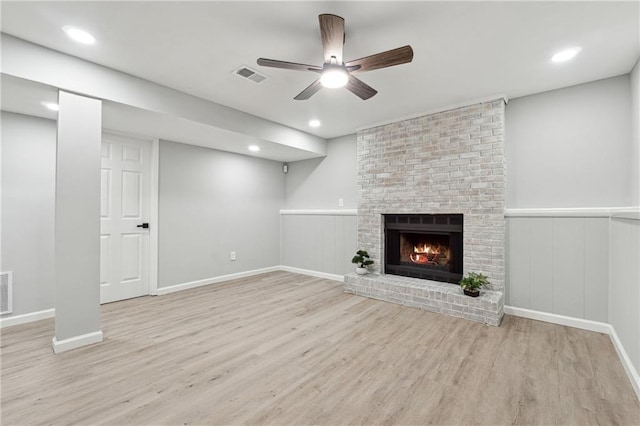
[
  {"x": 39, "y": 64},
  {"x": 463, "y": 50},
  {"x": 26, "y": 97},
  {"x": 137, "y": 121}
]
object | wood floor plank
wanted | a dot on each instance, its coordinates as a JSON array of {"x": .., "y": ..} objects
[{"x": 283, "y": 348}]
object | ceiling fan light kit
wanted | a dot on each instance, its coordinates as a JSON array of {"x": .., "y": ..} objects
[
  {"x": 334, "y": 77},
  {"x": 336, "y": 73}
]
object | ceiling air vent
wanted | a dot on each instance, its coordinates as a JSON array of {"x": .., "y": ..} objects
[{"x": 249, "y": 74}]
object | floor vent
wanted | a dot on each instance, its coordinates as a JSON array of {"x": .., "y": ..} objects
[
  {"x": 247, "y": 73},
  {"x": 6, "y": 293}
]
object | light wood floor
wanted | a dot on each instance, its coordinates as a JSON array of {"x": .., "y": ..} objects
[{"x": 284, "y": 349}]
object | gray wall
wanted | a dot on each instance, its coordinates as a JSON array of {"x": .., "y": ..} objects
[
  {"x": 635, "y": 135},
  {"x": 624, "y": 277},
  {"x": 319, "y": 242},
  {"x": 624, "y": 288},
  {"x": 320, "y": 182},
  {"x": 567, "y": 148},
  {"x": 559, "y": 265},
  {"x": 28, "y": 203},
  {"x": 570, "y": 147},
  {"x": 211, "y": 203},
  {"x": 577, "y": 147}
]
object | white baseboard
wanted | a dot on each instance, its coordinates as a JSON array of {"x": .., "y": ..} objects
[
  {"x": 76, "y": 342},
  {"x": 583, "y": 324},
  {"x": 632, "y": 373},
  {"x": 600, "y": 327},
  {"x": 311, "y": 273},
  {"x": 26, "y": 318},
  {"x": 214, "y": 280}
]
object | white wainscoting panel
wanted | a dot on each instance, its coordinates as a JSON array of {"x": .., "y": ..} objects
[
  {"x": 540, "y": 237},
  {"x": 559, "y": 265},
  {"x": 568, "y": 266},
  {"x": 596, "y": 269},
  {"x": 624, "y": 285},
  {"x": 518, "y": 283},
  {"x": 318, "y": 242}
]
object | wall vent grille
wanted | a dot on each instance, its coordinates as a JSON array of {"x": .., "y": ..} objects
[
  {"x": 6, "y": 293},
  {"x": 247, "y": 73}
]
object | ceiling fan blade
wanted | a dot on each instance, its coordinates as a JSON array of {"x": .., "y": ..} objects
[
  {"x": 398, "y": 56},
  {"x": 332, "y": 34},
  {"x": 309, "y": 91},
  {"x": 360, "y": 89},
  {"x": 287, "y": 65}
]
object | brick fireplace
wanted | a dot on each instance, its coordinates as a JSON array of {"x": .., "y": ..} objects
[{"x": 445, "y": 164}]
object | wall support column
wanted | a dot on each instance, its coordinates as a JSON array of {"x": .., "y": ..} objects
[{"x": 77, "y": 222}]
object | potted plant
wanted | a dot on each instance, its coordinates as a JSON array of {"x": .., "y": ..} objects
[
  {"x": 472, "y": 283},
  {"x": 362, "y": 260}
]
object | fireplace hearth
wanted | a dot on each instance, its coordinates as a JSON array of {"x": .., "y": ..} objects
[{"x": 427, "y": 246}]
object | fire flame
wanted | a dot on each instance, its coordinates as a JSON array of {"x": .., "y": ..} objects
[
  {"x": 426, "y": 254},
  {"x": 426, "y": 249}
]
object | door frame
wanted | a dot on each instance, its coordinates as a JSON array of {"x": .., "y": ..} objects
[
  {"x": 153, "y": 213},
  {"x": 154, "y": 183}
]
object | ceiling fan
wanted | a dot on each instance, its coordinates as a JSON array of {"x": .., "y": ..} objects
[{"x": 336, "y": 73}]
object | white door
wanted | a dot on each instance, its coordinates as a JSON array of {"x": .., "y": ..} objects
[{"x": 125, "y": 207}]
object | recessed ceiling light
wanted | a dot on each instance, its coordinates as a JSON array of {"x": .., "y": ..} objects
[
  {"x": 76, "y": 34},
  {"x": 254, "y": 148},
  {"x": 51, "y": 105},
  {"x": 314, "y": 123},
  {"x": 565, "y": 55}
]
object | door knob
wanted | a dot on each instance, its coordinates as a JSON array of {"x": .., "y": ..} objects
[{"x": 144, "y": 225}]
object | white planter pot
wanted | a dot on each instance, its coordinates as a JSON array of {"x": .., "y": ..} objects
[{"x": 361, "y": 271}]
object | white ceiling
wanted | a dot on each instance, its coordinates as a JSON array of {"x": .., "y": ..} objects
[{"x": 462, "y": 51}]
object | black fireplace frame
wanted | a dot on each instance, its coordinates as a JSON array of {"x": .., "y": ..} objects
[{"x": 434, "y": 224}]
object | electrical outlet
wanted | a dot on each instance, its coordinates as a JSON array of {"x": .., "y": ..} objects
[
  {"x": 233, "y": 255},
  {"x": 340, "y": 202}
]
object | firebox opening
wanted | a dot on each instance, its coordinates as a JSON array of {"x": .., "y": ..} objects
[
  {"x": 425, "y": 249},
  {"x": 424, "y": 246}
]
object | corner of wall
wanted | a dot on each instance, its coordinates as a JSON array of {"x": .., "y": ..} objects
[{"x": 635, "y": 134}]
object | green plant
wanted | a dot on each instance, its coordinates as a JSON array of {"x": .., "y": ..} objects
[
  {"x": 362, "y": 259},
  {"x": 474, "y": 281}
]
